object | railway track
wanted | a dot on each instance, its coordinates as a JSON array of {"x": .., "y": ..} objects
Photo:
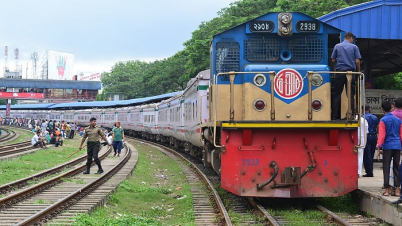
[
  {"x": 208, "y": 206},
  {"x": 330, "y": 218},
  {"x": 241, "y": 205},
  {"x": 55, "y": 200},
  {"x": 7, "y": 135},
  {"x": 15, "y": 148}
]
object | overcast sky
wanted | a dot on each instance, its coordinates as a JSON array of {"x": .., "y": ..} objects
[{"x": 102, "y": 32}]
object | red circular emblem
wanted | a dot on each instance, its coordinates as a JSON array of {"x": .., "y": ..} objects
[{"x": 288, "y": 83}]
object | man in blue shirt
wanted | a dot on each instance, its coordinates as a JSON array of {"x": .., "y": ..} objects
[
  {"x": 347, "y": 57},
  {"x": 369, "y": 150}
]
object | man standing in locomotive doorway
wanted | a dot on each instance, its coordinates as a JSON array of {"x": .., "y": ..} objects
[
  {"x": 347, "y": 57},
  {"x": 93, "y": 133}
]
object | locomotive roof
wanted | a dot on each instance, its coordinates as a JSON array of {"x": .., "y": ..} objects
[{"x": 270, "y": 15}]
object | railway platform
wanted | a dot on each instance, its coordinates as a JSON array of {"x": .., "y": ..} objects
[{"x": 370, "y": 199}]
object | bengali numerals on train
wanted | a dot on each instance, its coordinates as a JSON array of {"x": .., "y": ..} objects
[
  {"x": 250, "y": 162},
  {"x": 262, "y": 26},
  {"x": 307, "y": 26}
]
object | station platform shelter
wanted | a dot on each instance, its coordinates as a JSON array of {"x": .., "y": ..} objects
[
  {"x": 48, "y": 91},
  {"x": 377, "y": 26}
]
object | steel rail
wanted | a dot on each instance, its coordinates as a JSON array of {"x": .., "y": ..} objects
[
  {"x": 333, "y": 218},
  {"x": 21, "y": 195},
  {"x": 4, "y": 189},
  {"x": 210, "y": 186},
  {"x": 10, "y": 134},
  {"x": 50, "y": 212},
  {"x": 16, "y": 150},
  {"x": 5, "y": 147},
  {"x": 260, "y": 209}
]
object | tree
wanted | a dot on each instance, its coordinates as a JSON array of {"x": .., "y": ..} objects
[
  {"x": 4, "y": 101},
  {"x": 125, "y": 77},
  {"x": 139, "y": 79},
  {"x": 389, "y": 82},
  {"x": 101, "y": 97}
]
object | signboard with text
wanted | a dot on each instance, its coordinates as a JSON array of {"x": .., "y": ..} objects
[
  {"x": 9, "y": 95},
  {"x": 89, "y": 76},
  {"x": 375, "y": 97}
]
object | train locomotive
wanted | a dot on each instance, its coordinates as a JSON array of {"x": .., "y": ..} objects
[{"x": 261, "y": 116}]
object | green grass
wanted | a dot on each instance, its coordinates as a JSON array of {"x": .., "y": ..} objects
[
  {"x": 41, "y": 160},
  {"x": 298, "y": 217},
  {"x": 344, "y": 203},
  {"x": 149, "y": 196},
  {"x": 40, "y": 201}
]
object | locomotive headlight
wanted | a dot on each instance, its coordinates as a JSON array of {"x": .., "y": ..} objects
[
  {"x": 260, "y": 105},
  {"x": 286, "y": 30},
  {"x": 285, "y": 24},
  {"x": 260, "y": 80},
  {"x": 285, "y": 18},
  {"x": 316, "y": 80}
]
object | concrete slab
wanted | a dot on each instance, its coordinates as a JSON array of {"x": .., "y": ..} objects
[{"x": 371, "y": 200}]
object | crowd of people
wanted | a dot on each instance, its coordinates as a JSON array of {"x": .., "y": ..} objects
[
  {"x": 383, "y": 137},
  {"x": 52, "y": 132}
]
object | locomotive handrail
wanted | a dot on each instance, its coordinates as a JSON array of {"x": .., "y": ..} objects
[
  {"x": 272, "y": 75},
  {"x": 232, "y": 77},
  {"x": 361, "y": 101},
  {"x": 310, "y": 95},
  {"x": 201, "y": 114}
]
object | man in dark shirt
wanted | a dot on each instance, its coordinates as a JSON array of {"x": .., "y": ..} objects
[
  {"x": 369, "y": 150},
  {"x": 347, "y": 57}
]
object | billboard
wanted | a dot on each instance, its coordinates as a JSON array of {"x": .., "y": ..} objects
[
  {"x": 89, "y": 76},
  {"x": 60, "y": 65}
]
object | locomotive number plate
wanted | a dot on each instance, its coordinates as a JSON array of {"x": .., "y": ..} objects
[
  {"x": 262, "y": 26},
  {"x": 307, "y": 26}
]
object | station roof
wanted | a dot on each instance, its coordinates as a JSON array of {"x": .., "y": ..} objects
[
  {"x": 379, "y": 19},
  {"x": 49, "y": 84},
  {"x": 111, "y": 104},
  {"x": 28, "y": 106},
  {"x": 92, "y": 104},
  {"x": 377, "y": 26}
]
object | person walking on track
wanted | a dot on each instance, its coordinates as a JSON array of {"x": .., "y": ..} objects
[
  {"x": 118, "y": 138},
  {"x": 93, "y": 133}
]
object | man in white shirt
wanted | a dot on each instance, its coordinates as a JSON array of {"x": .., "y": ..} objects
[
  {"x": 362, "y": 132},
  {"x": 37, "y": 141}
]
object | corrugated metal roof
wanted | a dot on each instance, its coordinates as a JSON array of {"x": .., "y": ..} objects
[
  {"x": 148, "y": 99},
  {"x": 106, "y": 104},
  {"x": 380, "y": 19},
  {"x": 50, "y": 84},
  {"x": 28, "y": 106},
  {"x": 93, "y": 104}
]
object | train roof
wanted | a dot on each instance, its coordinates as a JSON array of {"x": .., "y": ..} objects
[{"x": 92, "y": 104}]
